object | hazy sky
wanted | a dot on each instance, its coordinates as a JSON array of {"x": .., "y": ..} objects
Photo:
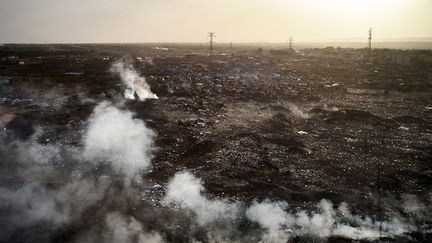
[{"x": 48, "y": 21}]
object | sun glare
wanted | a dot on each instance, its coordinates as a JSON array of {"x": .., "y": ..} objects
[{"x": 362, "y": 5}]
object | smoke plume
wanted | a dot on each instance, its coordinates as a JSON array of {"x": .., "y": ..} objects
[
  {"x": 47, "y": 187},
  {"x": 295, "y": 111},
  {"x": 113, "y": 136},
  {"x": 187, "y": 191},
  {"x": 280, "y": 224},
  {"x": 135, "y": 84},
  {"x": 271, "y": 217},
  {"x": 277, "y": 221},
  {"x": 123, "y": 229}
]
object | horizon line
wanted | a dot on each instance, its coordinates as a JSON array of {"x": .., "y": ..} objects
[{"x": 403, "y": 40}]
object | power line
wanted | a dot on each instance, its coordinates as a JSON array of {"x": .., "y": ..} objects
[
  {"x": 291, "y": 40},
  {"x": 370, "y": 39},
  {"x": 212, "y": 37}
]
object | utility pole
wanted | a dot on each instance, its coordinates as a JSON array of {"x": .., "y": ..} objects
[
  {"x": 370, "y": 40},
  {"x": 290, "y": 42},
  {"x": 212, "y": 37}
]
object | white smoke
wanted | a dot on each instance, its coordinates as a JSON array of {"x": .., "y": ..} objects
[
  {"x": 280, "y": 225},
  {"x": 330, "y": 108},
  {"x": 413, "y": 206},
  {"x": 47, "y": 195},
  {"x": 318, "y": 224},
  {"x": 113, "y": 136},
  {"x": 187, "y": 191},
  {"x": 357, "y": 227},
  {"x": 30, "y": 151},
  {"x": 51, "y": 187},
  {"x": 122, "y": 229},
  {"x": 295, "y": 111},
  {"x": 135, "y": 84},
  {"x": 273, "y": 218},
  {"x": 46, "y": 185},
  {"x": 34, "y": 203}
]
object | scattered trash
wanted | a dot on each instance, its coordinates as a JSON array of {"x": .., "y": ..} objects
[
  {"x": 16, "y": 101},
  {"x": 403, "y": 128},
  {"x": 332, "y": 85}
]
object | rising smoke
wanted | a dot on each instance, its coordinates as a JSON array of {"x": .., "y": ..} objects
[
  {"x": 133, "y": 82},
  {"x": 297, "y": 112},
  {"x": 187, "y": 191},
  {"x": 48, "y": 187},
  {"x": 123, "y": 229},
  {"x": 113, "y": 136},
  {"x": 272, "y": 218},
  {"x": 53, "y": 187},
  {"x": 277, "y": 222}
]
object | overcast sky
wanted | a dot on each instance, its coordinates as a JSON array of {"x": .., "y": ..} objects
[{"x": 109, "y": 21}]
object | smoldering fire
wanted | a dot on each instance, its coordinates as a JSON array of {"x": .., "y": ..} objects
[
  {"x": 134, "y": 83},
  {"x": 55, "y": 187}
]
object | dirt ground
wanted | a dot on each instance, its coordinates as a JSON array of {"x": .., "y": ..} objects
[{"x": 250, "y": 125}]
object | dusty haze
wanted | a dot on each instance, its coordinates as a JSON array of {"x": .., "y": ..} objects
[{"x": 110, "y": 21}]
